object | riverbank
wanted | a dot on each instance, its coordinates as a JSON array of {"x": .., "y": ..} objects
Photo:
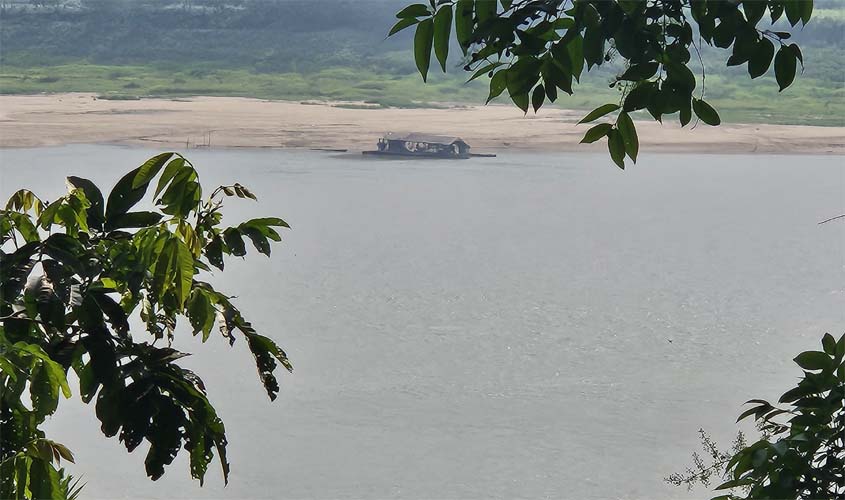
[{"x": 228, "y": 122}]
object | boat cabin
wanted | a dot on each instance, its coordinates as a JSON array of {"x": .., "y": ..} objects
[{"x": 439, "y": 146}]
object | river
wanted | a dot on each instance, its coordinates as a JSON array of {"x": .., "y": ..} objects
[{"x": 529, "y": 326}]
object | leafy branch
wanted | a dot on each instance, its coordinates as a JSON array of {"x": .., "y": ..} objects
[
  {"x": 72, "y": 274},
  {"x": 533, "y": 48}
]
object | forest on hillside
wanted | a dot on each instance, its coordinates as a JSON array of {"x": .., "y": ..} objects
[{"x": 325, "y": 49}]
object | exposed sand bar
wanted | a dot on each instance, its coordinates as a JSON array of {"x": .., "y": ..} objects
[{"x": 43, "y": 120}]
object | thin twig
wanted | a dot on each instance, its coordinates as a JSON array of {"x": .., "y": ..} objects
[{"x": 833, "y": 218}]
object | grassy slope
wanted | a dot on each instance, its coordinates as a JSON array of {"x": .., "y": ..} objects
[
  {"x": 739, "y": 100},
  {"x": 817, "y": 98}
]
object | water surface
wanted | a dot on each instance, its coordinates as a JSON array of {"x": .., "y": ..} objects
[{"x": 527, "y": 326}]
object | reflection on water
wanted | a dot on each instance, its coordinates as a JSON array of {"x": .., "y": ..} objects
[{"x": 526, "y": 326}]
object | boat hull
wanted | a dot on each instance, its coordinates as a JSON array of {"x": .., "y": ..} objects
[{"x": 421, "y": 155}]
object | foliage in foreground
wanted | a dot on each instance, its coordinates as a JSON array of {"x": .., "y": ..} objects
[
  {"x": 801, "y": 453},
  {"x": 79, "y": 277},
  {"x": 533, "y": 48}
]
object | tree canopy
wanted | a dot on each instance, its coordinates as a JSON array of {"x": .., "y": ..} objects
[
  {"x": 534, "y": 49},
  {"x": 801, "y": 449},
  {"x": 91, "y": 284},
  {"x": 801, "y": 453}
]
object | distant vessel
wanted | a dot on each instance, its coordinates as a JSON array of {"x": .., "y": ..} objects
[{"x": 422, "y": 146}]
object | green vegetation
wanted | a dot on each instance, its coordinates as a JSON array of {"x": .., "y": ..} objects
[
  {"x": 335, "y": 84},
  {"x": 801, "y": 453},
  {"x": 659, "y": 52},
  {"x": 74, "y": 275},
  {"x": 809, "y": 101},
  {"x": 531, "y": 49},
  {"x": 253, "y": 48},
  {"x": 801, "y": 449},
  {"x": 81, "y": 267}
]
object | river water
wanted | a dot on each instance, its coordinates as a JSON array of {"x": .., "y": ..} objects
[{"x": 530, "y": 326}]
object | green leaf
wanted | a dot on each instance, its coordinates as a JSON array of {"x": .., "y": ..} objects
[
  {"x": 9, "y": 369},
  {"x": 498, "y": 84},
  {"x": 43, "y": 390},
  {"x": 599, "y": 112},
  {"x": 616, "y": 146},
  {"x": 685, "y": 114},
  {"x": 829, "y": 344},
  {"x": 63, "y": 451},
  {"x": 24, "y": 225},
  {"x": 806, "y": 11},
  {"x": 593, "y": 46},
  {"x": 629, "y": 135},
  {"x": 785, "y": 66},
  {"x": 761, "y": 409},
  {"x": 551, "y": 92},
  {"x": 538, "y": 97},
  {"x": 44, "y": 481},
  {"x": 629, "y": 6},
  {"x": 67, "y": 250},
  {"x": 182, "y": 195},
  {"x": 123, "y": 197},
  {"x": 725, "y": 33},
  {"x": 813, "y": 360},
  {"x": 797, "y": 51},
  {"x": 214, "y": 252},
  {"x": 641, "y": 71},
  {"x": 422, "y": 46},
  {"x": 521, "y": 101},
  {"x": 169, "y": 173},
  {"x": 596, "y": 133},
  {"x": 24, "y": 200},
  {"x": 415, "y": 10},
  {"x": 88, "y": 383},
  {"x": 234, "y": 241},
  {"x": 163, "y": 270},
  {"x": 184, "y": 271},
  {"x": 761, "y": 58},
  {"x": 463, "y": 23},
  {"x": 706, "y": 112},
  {"x": 734, "y": 483},
  {"x": 487, "y": 68},
  {"x": 776, "y": 10},
  {"x": 793, "y": 10},
  {"x": 113, "y": 311},
  {"x": 523, "y": 75},
  {"x": 150, "y": 169},
  {"x": 485, "y": 10},
  {"x": 266, "y": 354},
  {"x": 442, "y": 30},
  {"x": 680, "y": 77},
  {"x": 135, "y": 220},
  {"x": 95, "y": 213},
  {"x": 201, "y": 313},
  {"x": 259, "y": 241},
  {"x": 640, "y": 96},
  {"x": 754, "y": 11},
  {"x": 48, "y": 215},
  {"x": 575, "y": 48},
  {"x": 263, "y": 224},
  {"x": 555, "y": 76},
  {"x": 54, "y": 371},
  {"x": 243, "y": 192},
  {"x": 402, "y": 24},
  {"x": 795, "y": 394}
]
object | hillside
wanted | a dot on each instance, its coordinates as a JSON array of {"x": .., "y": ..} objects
[{"x": 327, "y": 50}]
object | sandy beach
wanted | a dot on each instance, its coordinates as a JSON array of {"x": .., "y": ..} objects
[{"x": 226, "y": 122}]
